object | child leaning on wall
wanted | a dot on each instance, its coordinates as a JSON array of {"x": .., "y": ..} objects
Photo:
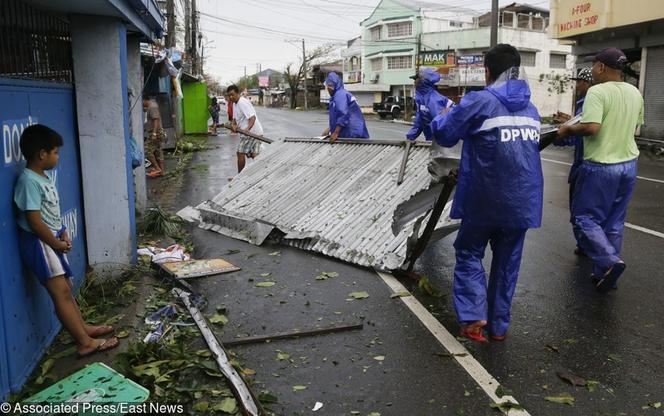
[{"x": 44, "y": 240}]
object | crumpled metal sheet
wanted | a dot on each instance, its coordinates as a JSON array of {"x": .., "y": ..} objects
[{"x": 336, "y": 199}]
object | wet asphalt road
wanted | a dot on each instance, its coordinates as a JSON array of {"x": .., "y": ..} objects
[{"x": 559, "y": 322}]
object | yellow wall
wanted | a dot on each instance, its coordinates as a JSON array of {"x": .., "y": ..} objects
[{"x": 575, "y": 17}]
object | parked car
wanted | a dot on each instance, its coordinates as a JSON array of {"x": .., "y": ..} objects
[{"x": 393, "y": 106}]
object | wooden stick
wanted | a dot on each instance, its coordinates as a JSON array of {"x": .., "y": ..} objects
[
  {"x": 404, "y": 161},
  {"x": 295, "y": 334},
  {"x": 250, "y": 134}
]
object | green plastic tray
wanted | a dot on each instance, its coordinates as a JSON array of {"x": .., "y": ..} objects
[{"x": 96, "y": 383}]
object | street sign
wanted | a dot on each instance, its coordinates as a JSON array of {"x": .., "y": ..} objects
[{"x": 436, "y": 58}]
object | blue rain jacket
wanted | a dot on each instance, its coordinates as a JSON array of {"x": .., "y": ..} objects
[
  {"x": 429, "y": 104},
  {"x": 344, "y": 111},
  {"x": 500, "y": 174}
]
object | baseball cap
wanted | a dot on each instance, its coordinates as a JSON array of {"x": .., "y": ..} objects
[
  {"x": 585, "y": 74},
  {"x": 611, "y": 57}
]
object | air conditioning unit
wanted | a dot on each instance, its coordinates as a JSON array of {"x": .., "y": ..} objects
[{"x": 374, "y": 78}]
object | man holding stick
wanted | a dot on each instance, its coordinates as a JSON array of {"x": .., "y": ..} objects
[{"x": 244, "y": 118}]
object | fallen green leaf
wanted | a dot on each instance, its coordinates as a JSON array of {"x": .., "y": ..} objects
[
  {"x": 122, "y": 334},
  {"x": 505, "y": 407},
  {"x": 265, "y": 274},
  {"x": 282, "y": 355},
  {"x": 299, "y": 388},
  {"x": 218, "y": 318},
  {"x": 374, "y": 414},
  {"x": 379, "y": 358},
  {"x": 502, "y": 391},
  {"x": 265, "y": 284},
  {"x": 228, "y": 405},
  {"x": 267, "y": 397},
  {"x": 400, "y": 295},
  {"x": 326, "y": 275},
  {"x": 591, "y": 384},
  {"x": 358, "y": 295},
  {"x": 201, "y": 406},
  {"x": 615, "y": 358},
  {"x": 275, "y": 253},
  {"x": 563, "y": 398},
  {"x": 426, "y": 286}
]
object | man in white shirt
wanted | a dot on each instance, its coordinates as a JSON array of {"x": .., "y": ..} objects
[{"x": 244, "y": 118}]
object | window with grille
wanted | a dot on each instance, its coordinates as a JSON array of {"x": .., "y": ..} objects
[
  {"x": 528, "y": 58},
  {"x": 375, "y": 33},
  {"x": 395, "y": 30},
  {"x": 353, "y": 65},
  {"x": 377, "y": 64},
  {"x": 454, "y": 23},
  {"x": 33, "y": 44},
  {"x": 399, "y": 62},
  {"x": 557, "y": 60}
]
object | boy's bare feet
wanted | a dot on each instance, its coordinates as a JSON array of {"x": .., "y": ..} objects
[
  {"x": 98, "y": 331},
  {"x": 97, "y": 345}
]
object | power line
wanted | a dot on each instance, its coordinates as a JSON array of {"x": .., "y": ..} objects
[{"x": 266, "y": 29}]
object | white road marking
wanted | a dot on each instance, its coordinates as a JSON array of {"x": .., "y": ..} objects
[
  {"x": 450, "y": 343},
  {"x": 569, "y": 164},
  {"x": 644, "y": 230}
]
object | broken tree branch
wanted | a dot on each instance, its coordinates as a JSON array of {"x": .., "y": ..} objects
[{"x": 295, "y": 334}]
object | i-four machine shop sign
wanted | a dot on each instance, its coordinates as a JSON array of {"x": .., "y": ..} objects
[{"x": 455, "y": 70}]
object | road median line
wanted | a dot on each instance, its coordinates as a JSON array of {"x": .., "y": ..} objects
[{"x": 481, "y": 376}]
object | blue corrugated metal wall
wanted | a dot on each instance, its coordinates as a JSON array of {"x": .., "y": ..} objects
[{"x": 27, "y": 320}]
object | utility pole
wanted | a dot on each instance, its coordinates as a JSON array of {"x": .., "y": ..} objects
[
  {"x": 194, "y": 37},
  {"x": 494, "y": 23},
  {"x": 170, "y": 23},
  {"x": 187, "y": 27},
  {"x": 304, "y": 69}
]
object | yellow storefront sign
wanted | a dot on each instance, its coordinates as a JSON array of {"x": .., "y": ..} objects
[{"x": 575, "y": 17}]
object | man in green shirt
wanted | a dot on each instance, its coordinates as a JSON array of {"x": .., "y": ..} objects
[{"x": 611, "y": 112}]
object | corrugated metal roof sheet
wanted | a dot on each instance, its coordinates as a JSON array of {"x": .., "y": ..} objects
[{"x": 337, "y": 199}]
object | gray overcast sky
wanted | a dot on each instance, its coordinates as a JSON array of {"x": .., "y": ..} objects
[{"x": 251, "y": 32}]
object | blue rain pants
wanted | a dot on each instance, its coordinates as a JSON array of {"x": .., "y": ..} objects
[
  {"x": 474, "y": 299},
  {"x": 601, "y": 195}
]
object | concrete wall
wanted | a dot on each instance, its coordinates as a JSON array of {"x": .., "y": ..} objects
[
  {"x": 99, "y": 50},
  {"x": 135, "y": 82}
]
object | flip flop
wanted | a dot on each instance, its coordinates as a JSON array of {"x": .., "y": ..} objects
[
  {"x": 100, "y": 331},
  {"x": 155, "y": 174},
  {"x": 107, "y": 344},
  {"x": 610, "y": 278},
  {"x": 473, "y": 331}
]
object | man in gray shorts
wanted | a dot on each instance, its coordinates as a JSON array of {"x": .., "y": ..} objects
[{"x": 244, "y": 118}]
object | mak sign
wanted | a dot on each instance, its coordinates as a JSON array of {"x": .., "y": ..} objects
[{"x": 436, "y": 58}]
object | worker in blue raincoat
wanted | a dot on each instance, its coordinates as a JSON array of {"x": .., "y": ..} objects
[
  {"x": 584, "y": 80},
  {"x": 499, "y": 191},
  {"x": 345, "y": 117},
  {"x": 429, "y": 102}
]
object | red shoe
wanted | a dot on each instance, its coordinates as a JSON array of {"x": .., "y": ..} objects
[
  {"x": 473, "y": 331},
  {"x": 155, "y": 174},
  {"x": 499, "y": 338}
]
